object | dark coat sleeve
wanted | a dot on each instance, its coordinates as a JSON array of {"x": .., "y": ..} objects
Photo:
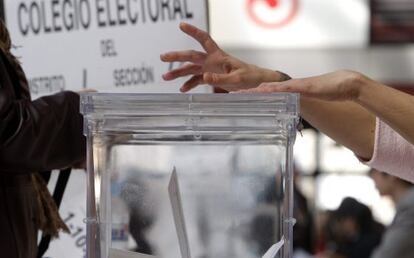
[{"x": 38, "y": 135}]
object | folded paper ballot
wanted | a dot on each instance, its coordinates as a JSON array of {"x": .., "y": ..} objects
[
  {"x": 274, "y": 249},
  {"x": 116, "y": 253},
  {"x": 178, "y": 214}
]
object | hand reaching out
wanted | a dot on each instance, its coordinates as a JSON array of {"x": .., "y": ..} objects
[
  {"x": 214, "y": 66},
  {"x": 336, "y": 86}
]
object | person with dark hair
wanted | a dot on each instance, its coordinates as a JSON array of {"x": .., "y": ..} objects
[
  {"x": 35, "y": 136},
  {"x": 398, "y": 238},
  {"x": 302, "y": 231},
  {"x": 354, "y": 231},
  {"x": 263, "y": 225}
]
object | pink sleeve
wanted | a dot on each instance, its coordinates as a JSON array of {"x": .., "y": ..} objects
[{"x": 392, "y": 153}]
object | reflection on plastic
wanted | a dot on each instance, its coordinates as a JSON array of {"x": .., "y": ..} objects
[
  {"x": 116, "y": 253},
  {"x": 274, "y": 249},
  {"x": 177, "y": 209}
]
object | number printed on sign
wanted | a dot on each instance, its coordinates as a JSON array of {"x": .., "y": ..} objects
[{"x": 77, "y": 232}]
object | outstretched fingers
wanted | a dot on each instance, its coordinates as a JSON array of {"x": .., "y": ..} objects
[
  {"x": 184, "y": 56},
  {"x": 201, "y": 36},
  {"x": 193, "y": 82},
  {"x": 228, "y": 81},
  {"x": 188, "y": 69}
]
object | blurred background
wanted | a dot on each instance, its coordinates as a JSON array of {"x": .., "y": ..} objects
[
  {"x": 310, "y": 37},
  {"x": 301, "y": 38}
]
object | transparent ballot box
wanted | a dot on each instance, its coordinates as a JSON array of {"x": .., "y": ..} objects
[{"x": 189, "y": 176}]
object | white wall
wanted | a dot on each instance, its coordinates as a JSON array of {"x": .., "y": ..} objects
[
  {"x": 384, "y": 63},
  {"x": 322, "y": 36}
]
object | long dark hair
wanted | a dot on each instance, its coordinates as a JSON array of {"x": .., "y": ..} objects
[
  {"x": 6, "y": 46},
  {"x": 5, "y": 41}
]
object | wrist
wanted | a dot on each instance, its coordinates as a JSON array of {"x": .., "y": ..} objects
[
  {"x": 363, "y": 87},
  {"x": 352, "y": 85},
  {"x": 275, "y": 76}
]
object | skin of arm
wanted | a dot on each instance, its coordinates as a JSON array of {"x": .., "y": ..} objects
[
  {"x": 341, "y": 104},
  {"x": 394, "y": 107},
  {"x": 347, "y": 123}
]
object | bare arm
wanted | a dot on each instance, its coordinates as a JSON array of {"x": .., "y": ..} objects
[
  {"x": 390, "y": 105},
  {"x": 342, "y": 104},
  {"x": 347, "y": 123},
  {"x": 394, "y": 107}
]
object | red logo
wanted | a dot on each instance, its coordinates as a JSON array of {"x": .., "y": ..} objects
[{"x": 272, "y": 13}]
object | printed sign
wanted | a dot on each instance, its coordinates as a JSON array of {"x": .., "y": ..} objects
[{"x": 100, "y": 44}]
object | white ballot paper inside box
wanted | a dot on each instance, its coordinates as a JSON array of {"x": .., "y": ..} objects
[
  {"x": 178, "y": 214},
  {"x": 274, "y": 249}
]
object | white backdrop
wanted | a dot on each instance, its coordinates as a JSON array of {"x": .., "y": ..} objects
[
  {"x": 104, "y": 45},
  {"x": 290, "y": 23}
]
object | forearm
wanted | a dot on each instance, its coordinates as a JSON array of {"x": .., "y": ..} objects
[
  {"x": 42, "y": 135},
  {"x": 392, "y": 106},
  {"x": 347, "y": 123}
]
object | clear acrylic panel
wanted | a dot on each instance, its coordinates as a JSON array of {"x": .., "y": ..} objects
[{"x": 181, "y": 175}]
